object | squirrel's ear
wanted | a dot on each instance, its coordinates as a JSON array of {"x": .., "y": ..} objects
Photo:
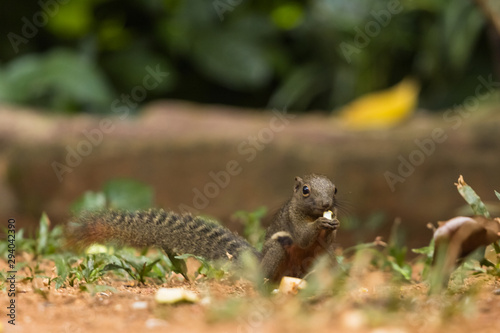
[{"x": 298, "y": 183}]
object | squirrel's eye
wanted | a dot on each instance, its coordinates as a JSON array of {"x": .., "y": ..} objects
[
  {"x": 306, "y": 191},
  {"x": 335, "y": 192}
]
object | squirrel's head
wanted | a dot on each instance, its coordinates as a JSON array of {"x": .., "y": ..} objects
[{"x": 314, "y": 194}]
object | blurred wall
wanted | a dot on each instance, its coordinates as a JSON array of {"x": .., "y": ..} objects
[{"x": 215, "y": 161}]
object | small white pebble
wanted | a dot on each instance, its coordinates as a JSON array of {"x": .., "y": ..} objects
[
  {"x": 353, "y": 320},
  {"x": 37, "y": 283},
  {"x": 97, "y": 248},
  {"x": 153, "y": 323},
  {"x": 139, "y": 305},
  {"x": 175, "y": 295},
  {"x": 206, "y": 301}
]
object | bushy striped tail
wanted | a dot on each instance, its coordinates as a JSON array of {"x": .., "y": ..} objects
[{"x": 174, "y": 233}]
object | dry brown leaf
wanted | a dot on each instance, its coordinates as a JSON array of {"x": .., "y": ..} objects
[{"x": 463, "y": 235}]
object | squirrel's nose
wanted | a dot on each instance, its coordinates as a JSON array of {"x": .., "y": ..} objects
[{"x": 325, "y": 204}]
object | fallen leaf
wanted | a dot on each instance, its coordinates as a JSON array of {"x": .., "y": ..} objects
[
  {"x": 455, "y": 239},
  {"x": 462, "y": 235},
  {"x": 384, "y": 108}
]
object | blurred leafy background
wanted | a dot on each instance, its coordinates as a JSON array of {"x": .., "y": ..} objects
[{"x": 74, "y": 56}]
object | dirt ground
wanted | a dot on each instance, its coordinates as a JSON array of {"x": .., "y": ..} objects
[{"x": 368, "y": 304}]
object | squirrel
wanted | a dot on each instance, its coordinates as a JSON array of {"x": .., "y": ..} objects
[{"x": 297, "y": 234}]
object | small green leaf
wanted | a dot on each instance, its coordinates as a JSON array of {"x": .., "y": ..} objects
[
  {"x": 497, "y": 194},
  {"x": 91, "y": 269},
  {"x": 43, "y": 234},
  {"x": 178, "y": 264},
  {"x": 62, "y": 268},
  {"x": 146, "y": 270},
  {"x": 472, "y": 198},
  {"x": 121, "y": 266},
  {"x": 115, "y": 267},
  {"x": 137, "y": 268},
  {"x": 427, "y": 250},
  {"x": 404, "y": 270},
  {"x": 148, "y": 267},
  {"x": 159, "y": 271},
  {"x": 59, "y": 282}
]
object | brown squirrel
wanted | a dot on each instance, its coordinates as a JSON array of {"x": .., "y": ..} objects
[{"x": 297, "y": 234}]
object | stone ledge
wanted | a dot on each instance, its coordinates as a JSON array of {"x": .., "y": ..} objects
[{"x": 173, "y": 146}]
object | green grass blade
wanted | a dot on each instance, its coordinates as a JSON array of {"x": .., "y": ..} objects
[
  {"x": 43, "y": 234},
  {"x": 472, "y": 198}
]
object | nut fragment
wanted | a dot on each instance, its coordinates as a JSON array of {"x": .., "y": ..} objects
[
  {"x": 175, "y": 295},
  {"x": 290, "y": 285},
  {"x": 328, "y": 214}
]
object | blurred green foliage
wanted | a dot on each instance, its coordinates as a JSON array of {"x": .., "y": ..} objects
[
  {"x": 124, "y": 194},
  {"x": 253, "y": 231},
  {"x": 84, "y": 55}
]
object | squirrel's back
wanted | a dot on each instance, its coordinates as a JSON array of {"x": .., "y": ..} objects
[{"x": 174, "y": 233}]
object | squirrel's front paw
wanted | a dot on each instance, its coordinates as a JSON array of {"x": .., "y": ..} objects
[{"x": 326, "y": 223}]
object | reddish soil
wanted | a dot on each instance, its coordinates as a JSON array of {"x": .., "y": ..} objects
[{"x": 368, "y": 303}]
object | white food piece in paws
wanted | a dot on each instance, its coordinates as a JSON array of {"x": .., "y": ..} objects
[
  {"x": 328, "y": 214},
  {"x": 291, "y": 285}
]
